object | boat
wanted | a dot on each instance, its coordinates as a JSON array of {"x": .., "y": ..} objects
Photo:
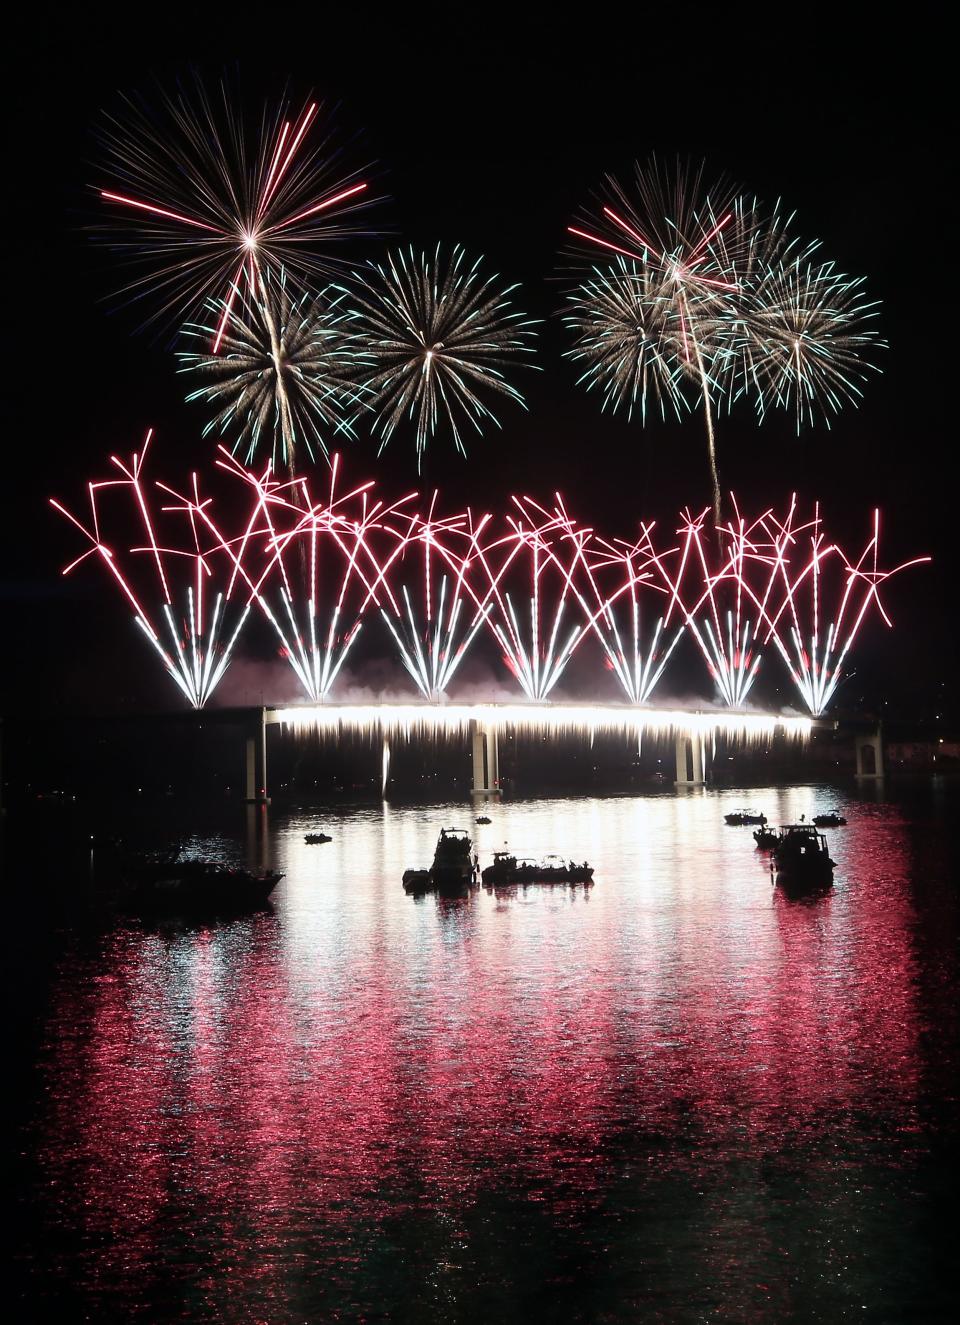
[
  {"x": 482, "y": 819},
  {"x": 741, "y": 817},
  {"x": 829, "y": 820},
  {"x": 452, "y": 862},
  {"x": 190, "y": 885},
  {"x": 765, "y": 838},
  {"x": 802, "y": 858},
  {"x": 313, "y": 838},
  {"x": 417, "y": 881},
  {"x": 507, "y": 868}
]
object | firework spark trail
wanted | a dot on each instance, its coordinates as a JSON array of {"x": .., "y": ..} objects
[
  {"x": 282, "y": 375},
  {"x": 540, "y": 556},
  {"x": 336, "y": 575},
  {"x": 715, "y": 611},
  {"x": 433, "y": 631},
  {"x": 661, "y": 315},
  {"x": 639, "y": 570},
  {"x": 200, "y": 622},
  {"x": 199, "y": 206},
  {"x": 317, "y": 566},
  {"x": 816, "y": 660},
  {"x": 439, "y": 332}
]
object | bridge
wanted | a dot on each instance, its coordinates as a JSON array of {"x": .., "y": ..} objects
[{"x": 693, "y": 731}]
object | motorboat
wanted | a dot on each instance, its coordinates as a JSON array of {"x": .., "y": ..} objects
[
  {"x": 508, "y": 868},
  {"x": 829, "y": 820},
  {"x": 313, "y": 838},
  {"x": 192, "y": 885},
  {"x": 483, "y": 819},
  {"x": 452, "y": 860},
  {"x": 740, "y": 818},
  {"x": 765, "y": 838},
  {"x": 802, "y": 858}
]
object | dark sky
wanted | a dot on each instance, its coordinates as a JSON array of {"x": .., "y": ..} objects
[{"x": 490, "y": 126}]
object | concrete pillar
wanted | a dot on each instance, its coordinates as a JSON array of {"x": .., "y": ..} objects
[
  {"x": 485, "y": 759},
  {"x": 868, "y": 747},
  {"x": 691, "y": 760},
  {"x": 255, "y": 762}
]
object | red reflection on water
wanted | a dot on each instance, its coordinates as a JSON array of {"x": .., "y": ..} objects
[{"x": 216, "y": 1077}]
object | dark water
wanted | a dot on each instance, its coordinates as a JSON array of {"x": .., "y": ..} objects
[{"x": 678, "y": 1096}]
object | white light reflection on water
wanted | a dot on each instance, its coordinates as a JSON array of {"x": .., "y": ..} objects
[{"x": 368, "y": 1098}]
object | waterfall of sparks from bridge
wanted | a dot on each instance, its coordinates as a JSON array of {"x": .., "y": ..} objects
[
  {"x": 188, "y": 591},
  {"x": 319, "y": 561}
]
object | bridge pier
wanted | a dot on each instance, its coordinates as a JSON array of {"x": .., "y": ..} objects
[
  {"x": 691, "y": 760},
  {"x": 868, "y": 747},
  {"x": 485, "y": 756},
  {"x": 255, "y": 762}
]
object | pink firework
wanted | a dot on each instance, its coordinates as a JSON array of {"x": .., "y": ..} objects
[
  {"x": 723, "y": 596},
  {"x": 433, "y": 612},
  {"x": 185, "y": 583},
  {"x": 824, "y": 597},
  {"x": 319, "y": 566},
  {"x": 527, "y": 582},
  {"x": 631, "y": 585}
]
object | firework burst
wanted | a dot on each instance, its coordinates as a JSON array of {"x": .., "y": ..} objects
[
  {"x": 281, "y": 377},
  {"x": 806, "y": 336},
  {"x": 198, "y": 202},
  {"x": 660, "y": 318},
  {"x": 319, "y": 566},
  {"x": 186, "y": 582},
  {"x": 439, "y": 331},
  {"x": 823, "y": 603},
  {"x": 624, "y": 577},
  {"x": 433, "y": 613}
]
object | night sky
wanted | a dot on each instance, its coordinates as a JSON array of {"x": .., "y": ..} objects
[{"x": 492, "y": 131}]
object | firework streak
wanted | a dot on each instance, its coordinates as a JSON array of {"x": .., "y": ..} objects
[
  {"x": 189, "y": 592},
  {"x": 203, "y": 209},
  {"x": 540, "y": 585}
]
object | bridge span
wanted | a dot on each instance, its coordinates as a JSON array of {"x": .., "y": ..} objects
[{"x": 694, "y": 731}]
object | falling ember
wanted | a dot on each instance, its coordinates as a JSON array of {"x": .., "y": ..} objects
[{"x": 633, "y": 722}]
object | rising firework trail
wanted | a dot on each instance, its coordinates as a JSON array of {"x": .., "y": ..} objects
[
  {"x": 657, "y": 317},
  {"x": 200, "y": 207},
  {"x": 191, "y": 596},
  {"x": 440, "y": 333}
]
